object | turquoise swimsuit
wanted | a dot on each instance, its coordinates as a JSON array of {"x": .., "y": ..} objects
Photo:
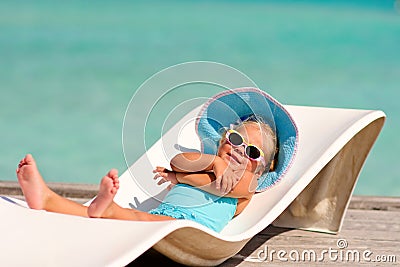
[{"x": 191, "y": 203}]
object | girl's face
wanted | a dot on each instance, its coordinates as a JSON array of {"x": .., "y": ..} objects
[{"x": 235, "y": 156}]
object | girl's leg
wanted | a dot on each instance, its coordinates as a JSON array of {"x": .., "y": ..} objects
[
  {"x": 103, "y": 205},
  {"x": 39, "y": 196}
]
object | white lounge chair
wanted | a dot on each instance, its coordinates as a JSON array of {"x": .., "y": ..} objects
[{"x": 314, "y": 194}]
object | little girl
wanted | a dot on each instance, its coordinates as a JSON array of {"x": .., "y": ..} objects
[{"x": 208, "y": 189}]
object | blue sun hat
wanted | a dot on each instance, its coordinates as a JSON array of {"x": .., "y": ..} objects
[{"x": 236, "y": 105}]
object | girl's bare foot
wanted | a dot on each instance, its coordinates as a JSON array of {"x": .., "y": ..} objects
[
  {"x": 109, "y": 186},
  {"x": 34, "y": 188}
]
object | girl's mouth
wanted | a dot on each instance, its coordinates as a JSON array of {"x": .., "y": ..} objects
[{"x": 233, "y": 157}]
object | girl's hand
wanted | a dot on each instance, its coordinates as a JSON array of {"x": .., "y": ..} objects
[
  {"x": 229, "y": 173},
  {"x": 166, "y": 176}
]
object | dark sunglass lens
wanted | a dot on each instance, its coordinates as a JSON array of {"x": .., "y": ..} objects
[
  {"x": 235, "y": 139},
  {"x": 253, "y": 152}
]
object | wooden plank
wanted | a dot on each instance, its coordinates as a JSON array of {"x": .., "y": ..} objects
[
  {"x": 375, "y": 203},
  {"x": 68, "y": 190}
]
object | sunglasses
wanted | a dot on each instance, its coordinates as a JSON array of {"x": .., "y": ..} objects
[{"x": 251, "y": 151}]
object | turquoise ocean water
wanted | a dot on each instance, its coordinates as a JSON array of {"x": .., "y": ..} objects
[{"x": 68, "y": 71}]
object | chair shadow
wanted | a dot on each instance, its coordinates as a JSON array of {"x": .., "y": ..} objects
[
  {"x": 10, "y": 200},
  {"x": 185, "y": 149},
  {"x": 152, "y": 257},
  {"x": 255, "y": 243},
  {"x": 154, "y": 201}
]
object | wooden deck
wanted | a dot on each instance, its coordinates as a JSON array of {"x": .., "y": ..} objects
[{"x": 370, "y": 236}]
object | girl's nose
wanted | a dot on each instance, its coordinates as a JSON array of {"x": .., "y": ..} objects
[{"x": 239, "y": 150}]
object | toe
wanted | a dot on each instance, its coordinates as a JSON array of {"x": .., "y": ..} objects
[
  {"x": 113, "y": 173},
  {"x": 29, "y": 159}
]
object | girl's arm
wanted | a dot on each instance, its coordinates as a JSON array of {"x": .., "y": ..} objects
[
  {"x": 198, "y": 170},
  {"x": 225, "y": 178},
  {"x": 193, "y": 162},
  {"x": 245, "y": 188},
  {"x": 190, "y": 163}
]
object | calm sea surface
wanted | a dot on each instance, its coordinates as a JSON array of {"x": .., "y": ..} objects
[{"x": 68, "y": 71}]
